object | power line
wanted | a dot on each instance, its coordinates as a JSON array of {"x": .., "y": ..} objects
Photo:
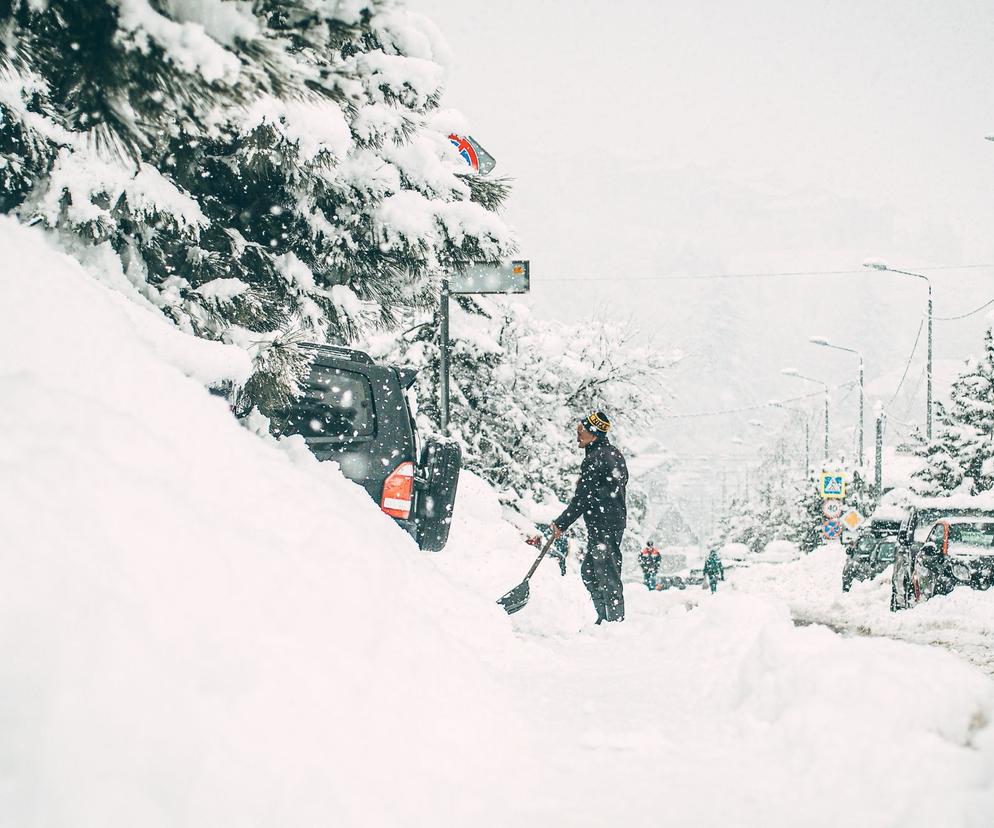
[
  {"x": 965, "y": 315},
  {"x": 770, "y": 275},
  {"x": 908, "y": 365},
  {"x": 751, "y": 407}
]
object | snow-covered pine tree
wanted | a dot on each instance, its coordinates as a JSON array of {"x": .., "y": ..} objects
[
  {"x": 807, "y": 530},
  {"x": 269, "y": 173},
  {"x": 961, "y": 451},
  {"x": 517, "y": 388}
]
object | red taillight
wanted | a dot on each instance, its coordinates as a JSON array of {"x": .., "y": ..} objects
[{"x": 398, "y": 491}]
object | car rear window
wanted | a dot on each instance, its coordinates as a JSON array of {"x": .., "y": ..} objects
[
  {"x": 886, "y": 551},
  {"x": 972, "y": 534},
  {"x": 335, "y": 406}
]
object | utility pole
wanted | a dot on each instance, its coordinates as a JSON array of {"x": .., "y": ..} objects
[
  {"x": 878, "y": 477},
  {"x": 878, "y": 265},
  {"x": 817, "y": 340},
  {"x": 793, "y": 372},
  {"x": 826, "y": 422},
  {"x": 443, "y": 357},
  {"x": 928, "y": 403}
]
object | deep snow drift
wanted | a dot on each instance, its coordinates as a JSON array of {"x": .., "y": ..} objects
[{"x": 199, "y": 626}]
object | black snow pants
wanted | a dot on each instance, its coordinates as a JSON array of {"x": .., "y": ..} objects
[{"x": 601, "y": 572}]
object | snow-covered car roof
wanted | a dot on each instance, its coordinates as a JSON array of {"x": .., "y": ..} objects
[
  {"x": 983, "y": 501},
  {"x": 888, "y": 511},
  {"x": 965, "y": 519}
]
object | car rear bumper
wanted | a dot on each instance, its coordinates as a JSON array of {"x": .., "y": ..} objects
[{"x": 975, "y": 571}]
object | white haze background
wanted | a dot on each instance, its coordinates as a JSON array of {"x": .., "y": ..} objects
[{"x": 653, "y": 140}]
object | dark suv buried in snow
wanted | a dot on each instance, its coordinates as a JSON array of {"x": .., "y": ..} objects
[
  {"x": 871, "y": 552},
  {"x": 356, "y": 412},
  {"x": 957, "y": 550},
  {"x": 923, "y": 566}
]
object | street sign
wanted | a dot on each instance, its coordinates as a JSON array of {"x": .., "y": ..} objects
[
  {"x": 831, "y": 529},
  {"x": 508, "y": 277},
  {"x": 473, "y": 154},
  {"x": 832, "y": 508},
  {"x": 852, "y": 519},
  {"x": 833, "y": 486}
]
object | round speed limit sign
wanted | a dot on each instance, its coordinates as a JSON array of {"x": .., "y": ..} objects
[{"x": 831, "y": 508}]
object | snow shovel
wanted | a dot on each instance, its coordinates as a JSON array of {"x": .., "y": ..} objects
[{"x": 518, "y": 597}]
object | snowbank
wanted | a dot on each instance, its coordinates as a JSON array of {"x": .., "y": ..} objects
[
  {"x": 812, "y": 587},
  {"x": 197, "y": 626}
]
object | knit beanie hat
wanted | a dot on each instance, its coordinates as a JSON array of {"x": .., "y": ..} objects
[{"x": 596, "y": 423}]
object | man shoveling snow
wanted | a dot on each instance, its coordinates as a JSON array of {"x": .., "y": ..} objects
[{"x": 600, "y": 500}]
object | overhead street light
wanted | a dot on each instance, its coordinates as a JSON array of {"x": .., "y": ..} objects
[
  {"x": 880, "y": 264},
  {"x": 793, "y": 372},
  {"x": 818, "y": 340}
]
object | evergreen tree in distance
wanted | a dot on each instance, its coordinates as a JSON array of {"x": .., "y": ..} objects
[{"x": 961, "y": 451}]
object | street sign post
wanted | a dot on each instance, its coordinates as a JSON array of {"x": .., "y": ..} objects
[
  {"x": 833, "y": 486},
  {"x": 831, "y": 529},
  {"x": 473, "y": 154},
  {"x": 472, "y": 277},
  {"x": 507, "y": 277},
  {"x": 832, "y": 508},
  {"x": 852, "y": 520}
]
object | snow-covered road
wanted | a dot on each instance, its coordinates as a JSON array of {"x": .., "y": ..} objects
[
  {"x": 962, "y": 622},
  {"x": 720, "y": 710}
]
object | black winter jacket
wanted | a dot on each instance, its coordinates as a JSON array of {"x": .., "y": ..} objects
[{"x": 600, "y": 491}]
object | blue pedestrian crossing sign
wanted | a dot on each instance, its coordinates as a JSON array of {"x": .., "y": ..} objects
[{"x": 833, "y": 486}]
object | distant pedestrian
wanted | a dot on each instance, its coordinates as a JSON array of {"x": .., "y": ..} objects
[
  {"x": 600, "y": 501},
  {"x": 649, "y": 562},
  {"x": 713, "y": 570}
]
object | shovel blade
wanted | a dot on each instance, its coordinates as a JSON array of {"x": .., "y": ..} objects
[{"x": 515, "y": 599}]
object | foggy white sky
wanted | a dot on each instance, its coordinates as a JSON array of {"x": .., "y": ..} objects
[{"x": 661, "y": 139}]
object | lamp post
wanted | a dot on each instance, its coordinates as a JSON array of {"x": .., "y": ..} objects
[
  {"x": 792, "y": 372},
  {"x": 876, "y": 264},
  {"x": 878, "y": 476},
  {"x": 807, "y": 433},
  {"x": 817, "y": 340}
]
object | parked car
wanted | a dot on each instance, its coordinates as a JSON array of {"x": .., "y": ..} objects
[
  {"x": 957, "y": 550},
  {"x": 917, "y": 527},
  {"x": 672, "y": 567},
  {"x": 872, "y": 550},
  {"x": 777, "y": 552},
  {"x": 356, "y": 412},
  {"x": 735, "y": 555}
]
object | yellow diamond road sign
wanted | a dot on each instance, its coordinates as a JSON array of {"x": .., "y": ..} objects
[{"x": 852, "y": 519}]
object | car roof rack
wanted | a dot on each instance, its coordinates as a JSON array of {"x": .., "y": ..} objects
[{"x": 341, "y": 352}]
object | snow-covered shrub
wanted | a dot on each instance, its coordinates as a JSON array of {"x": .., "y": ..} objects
[{"x": 519, "y": 385}]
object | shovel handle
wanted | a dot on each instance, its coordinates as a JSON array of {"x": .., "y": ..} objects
[{"x": 538, "y": 560}]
